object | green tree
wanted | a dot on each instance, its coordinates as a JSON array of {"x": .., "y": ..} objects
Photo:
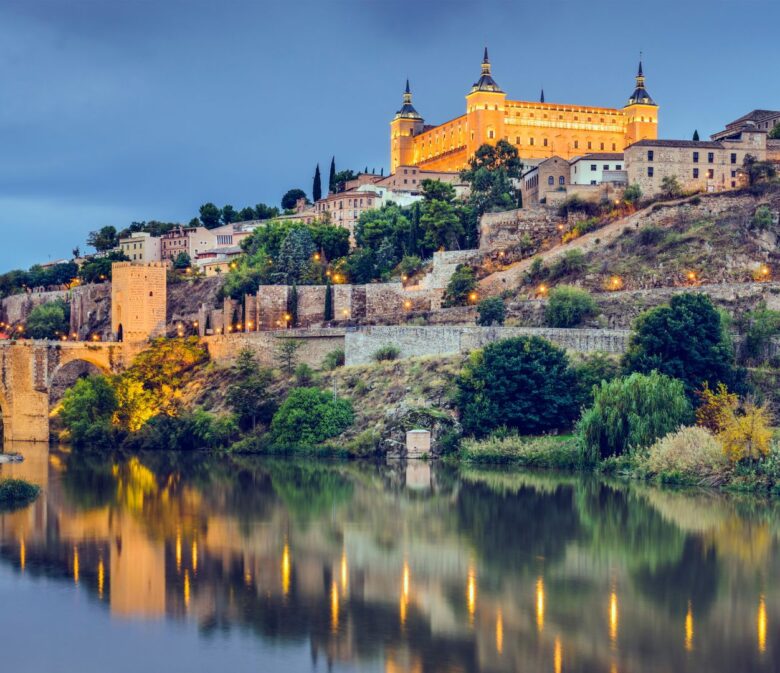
[
  {"x": 632, "y": 413},
  {"x": 49, "y": 321},
  {"x": 229, "y": 214},
  {"x": 246, "y": 214},
  {"x": 328, "y": 312},
  {"x": 103, "y": 239},
  {"x": 361, "y": 266},
  {"x": 341, "y": 178},
  {"x": 632, "y": 193},
  {"x": 670, "y": 187},
  {"x": 684, "y": 340},
  {"x": 87, "y": 410},
  {"x": 774, "y": 134},
  {"x": 210, "y": 216},
  {"x": 316, "y": 191},
  {"x": 265, "y": 212},
  {"x": 491, "y": 311},
  {"x": 569, "y": 306},
  {"x": 182, "y": 261},
  {"x": 248, "y": 394},
  {"x": 758, "y": 172},
  {"x": 291, "y": 197},
  {"x": 524, "y": 383},
  {"x": 591, "y": 370},
  {"x": 460, "y": 286},
  {"x": 696, "y": 135},
  {"x": 386, "y": 223},
  {"x": 490, "y": 175},
  {"x": 331, "y": 239},
  {"x": 441, "y": 220},
  {"x": 308, "y": 417},
  {"x": 296, "y": 253},
  {"x": 332, "y": 176},
  {"x": 287, "y": 354},
  {"x": 98, "y": 269}
]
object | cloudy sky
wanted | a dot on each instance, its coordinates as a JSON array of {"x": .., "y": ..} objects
[{"x": 120, "y": 110}]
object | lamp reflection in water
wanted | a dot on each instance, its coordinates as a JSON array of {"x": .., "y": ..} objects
[
  {"x": 405, "y": 581},
  {"x": 334, "y": 607},
  {"x": 76, "y": 565},
  {"x": 344, "y": 573},
  {"x": 761, "y": 624},
  {"x": 101, "y": 577},
  {"x": 689, "y": 628},
  {"x": 286, "y": 569},
  {"x": 558, "y": 656},
  {"x": 499, "y": 632},
  {"x": 613, "y": 617},
  {"x": 186, "y": 588},
  {"x": 194, "y": 557},
  {"x": 22, "y": 555},
  {"x": 540, "y": 604},
  {"x": 178, "y": 551},
  {"x": 471, "y": 594}
]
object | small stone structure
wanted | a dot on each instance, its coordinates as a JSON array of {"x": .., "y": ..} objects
[{"x": 418, "y": 443}]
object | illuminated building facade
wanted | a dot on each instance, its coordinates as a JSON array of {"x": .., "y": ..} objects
[{"x": 539, "y": 130}]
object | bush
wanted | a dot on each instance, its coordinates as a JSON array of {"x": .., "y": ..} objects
[
  {"x": 385, "y": 353},
  {"x": 304, "y": 375},
  {"x": 689, "y": 454},
  {"x": 511, "y": 449},
  {"x": 87, "y": 412},
  {"x": 524, "y": 383},
  {"x": 15, "y": 493},
  {"x": 759, "y": 327},
  {"x": 632, "y": 194},
  {"x": 685, "y": 340},
  {"x": 632, "y": 413},
  {"x": 746, "y": 433},
  {"x": 308, "y": 417},
  {"x": 333, "y": 360},
  {"x": 650, "y": 235},
  {"x": 49, "y": 321},
  {"x": 462, "y": 283},
  {"x": 762, "y": 218},
  {"x": 590, "y": 371},
  {"x": 491, "y": 311},
  {"x": 410, "y": 265},
  {"x": 571, "y": 263},
  {"x": 568, "y": 307}
]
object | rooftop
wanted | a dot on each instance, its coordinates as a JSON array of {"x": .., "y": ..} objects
[
  {"x": 599, "y": 156},
  {"x": 693, "y": 144}
]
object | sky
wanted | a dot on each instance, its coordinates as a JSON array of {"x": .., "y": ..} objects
[{"x": 114, "y": 111}]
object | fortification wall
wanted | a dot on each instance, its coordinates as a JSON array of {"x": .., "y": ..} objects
[
  {"x": 315, "y": 345},
  {"x": 90, "y": 310},
  {"x": 17, "y": 307},
  {"x": 360, "y": 344},
  {"x": 505, "y": 229}
]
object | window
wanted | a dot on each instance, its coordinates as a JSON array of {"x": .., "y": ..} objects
[
  {"x": 491, "y": 134},
  {"x": 733, "y": 174},
  {"x": 602, "y": 146},
  {"x": 614, "y": 147},
  {"x": 695, "y": 173},
  {"x": 531, "y": 141},
  {"x": 561, "y": 180},
  {"x": 711, "y": 173},
  {"x": 710, "y": 157},
  {"x": 650, "y": 155},
  {"x": 593, "y": 182},
  {"x": 649, "y": 171},
  {"x": 593, "y": 167},
  {"x": 733, "y": 157},
  {"x": 618, "y": 167},
  {"x": 733, "y": 184},
  {"x": 606, "y": 167},
  {"x": 576, "y": 144},
  {"x": 696, "y": 157},
  {"x": 590, "y": 145},
  {"x": 545, "y": 142},
  {"x": 551, "y": 180},
  {"x": 517, "y": 140}
]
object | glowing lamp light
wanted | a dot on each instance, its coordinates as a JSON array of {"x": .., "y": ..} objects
[
  {"x": 473, "y": 297},
  {"x": 692, "y": 276},
  {"x": 316, "y": 257},
  {"x": 542, "y": 289},
  {"x": 345, "y": 312},
  {"x": 407, "y": 304}
]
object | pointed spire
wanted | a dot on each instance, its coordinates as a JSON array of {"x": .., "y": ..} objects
[
  {"x": 407, "y": 86},
  {"x": 407, "y": 110},
  {"x": 486, "y": 81},
  {"x": 640, "y": 95},
  {"x": 486, "y": 59},
  {"x": 541, "y": 98}
]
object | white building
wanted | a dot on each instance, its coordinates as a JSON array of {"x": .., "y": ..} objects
[
  {"x": 595, "y": 169},
  {"x": 141, "y": 247}
]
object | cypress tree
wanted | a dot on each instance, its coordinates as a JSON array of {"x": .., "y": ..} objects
[
  {"x": 316, "y": 190},
  {"x": 332, "y": 176},
  {"x": 696, "y": 135},
  {"x": 292, "y": 305},
  {"x": 328, "y": 302}
]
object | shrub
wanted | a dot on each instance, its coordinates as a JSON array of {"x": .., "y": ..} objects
[
  {"x": 385, "y": 353},
  {"x": 304, "y": 375},
  {"x": 49, "y": 321},
  {"x": 632, "y": 413},
  {"x": 87, "y": 412},
  {"x": 524, "y": 383},
  {"x": 759, "y": 327},
  {"x": 333, "y": 360},
  {"x": 632, "y": 194},
  {"x": 590, "y": 371},
  {"x": 501, "y": 448},
  {"x": 287, "y": 354},
  {"x": 308, "y": 417},
  {"x": 491, "y": 311},
  {"x": 684, "y": 340},
  {"x": 16, "y": 493},
  {"x": 569, "y": 306},
  {"x": 746, "y": 433},
  {"x": 713, "y": 406},
  {"x": 537, "y": 271},
  {"x": 650, "y": 235},
  {"x": 576, "y": 204},
  {"x": 410, "y": 265},
  {"x": 248, "y": 394},
  {"x": 690, "y": 453},
  {"x": 571, "y": 263},
  {"x": 762, "y": 218},
  {"x": 460, "y": 286}
]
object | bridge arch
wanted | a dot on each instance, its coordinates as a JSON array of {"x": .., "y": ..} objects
[{"x": 68, "y": 373}]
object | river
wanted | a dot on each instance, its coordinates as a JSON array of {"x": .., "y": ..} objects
[{"x": 189, "y": 562}]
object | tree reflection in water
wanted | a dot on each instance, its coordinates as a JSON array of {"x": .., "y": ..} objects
[{"x": 472, "y": 570}]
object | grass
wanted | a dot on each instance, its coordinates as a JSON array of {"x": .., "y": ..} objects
[
  {"x": 550, "y": 451},
  {"x": 16, "y": 493}
]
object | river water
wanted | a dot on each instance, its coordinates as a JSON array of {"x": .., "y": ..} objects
[{"x": 172, "y": 562}]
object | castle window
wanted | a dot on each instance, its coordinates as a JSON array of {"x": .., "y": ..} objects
[
  {"x": 561, "y": 180},
  {"x": 517, "y": 140},
  {"x": 576, "y": 144},
  {"x": 650, "y": 171},
  {"x": 695, "y": 173},
  {"x": 491, "y": 134},
  {"x": 696, "y": 157},
  {"x": 650, "y": 155},
  {"x": 593, "y": 167},
  {"x": 545, "y": 142},
  {"x": 618, "y": 167},
  {"x": 733, "y": 158},
  {"x": 590, "y": 145},
  {"x": 602, "y": 146},
  {"x": 614, "y": 147},
  {"x": 531, "y": 141},
  {"x": 710, "y": 157},
  {"x": 551, "y": 180},
  {"x": 711, "y": 173},
  {"x": 606, "y": 167}
]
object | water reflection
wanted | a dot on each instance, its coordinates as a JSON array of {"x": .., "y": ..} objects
[{"x": 380, "y": 567}]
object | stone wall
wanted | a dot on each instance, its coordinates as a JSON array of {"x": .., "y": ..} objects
[
  {"x": 90, "y": 311},
  {"x": 17, "y": 307},
  {"x": 138, "y": 300},
  {"x": 360, "y": 344},
  {"x": 315, "y": 345},
  {"x": 504, "y": 230}
]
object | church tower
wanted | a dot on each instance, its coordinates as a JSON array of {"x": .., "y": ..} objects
[
  {"x": 485, "y": 110},
  {"x": 406, "y": 124},
  {"x": 641, "y": 112}
]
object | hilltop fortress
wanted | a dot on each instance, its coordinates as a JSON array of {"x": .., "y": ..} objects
[{"x": 539, "y": 130}]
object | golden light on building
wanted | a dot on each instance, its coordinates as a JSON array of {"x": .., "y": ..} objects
[
  {"x": 22, "y": 555},
  {"x": 334, "y": 607},
  {"x": 178, "y": 551},
  {"x": 761, "y": 624},
  {"x": 689, "y": 628},
  {"x": 186, "y": 589},
  {"x": 76, "y": 565},
  {"x": 558, "y": 656},
  {"x": 613, "y": 616},
  {"x": 286, "y": 569},
  {"x": 101, "y": 577},
  {"x": 499, "y": 632},
  {"x": 471, "y": 594},
  {"x": 344, "y": 573},
  {"x": 407, "y": 304},
  {"x": 540, "y": 603},
  {"x": 194, "y": 557},
  {"x": 691, "y": 276}
]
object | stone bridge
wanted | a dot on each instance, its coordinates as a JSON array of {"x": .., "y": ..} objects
[{"x": 34, "y": 375}]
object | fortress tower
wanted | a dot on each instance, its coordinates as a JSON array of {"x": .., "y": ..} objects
[
  {"x": 138, "y": 300},
  {"x": 641, "y": 112},
  {"x": 406, "y": 124}
]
